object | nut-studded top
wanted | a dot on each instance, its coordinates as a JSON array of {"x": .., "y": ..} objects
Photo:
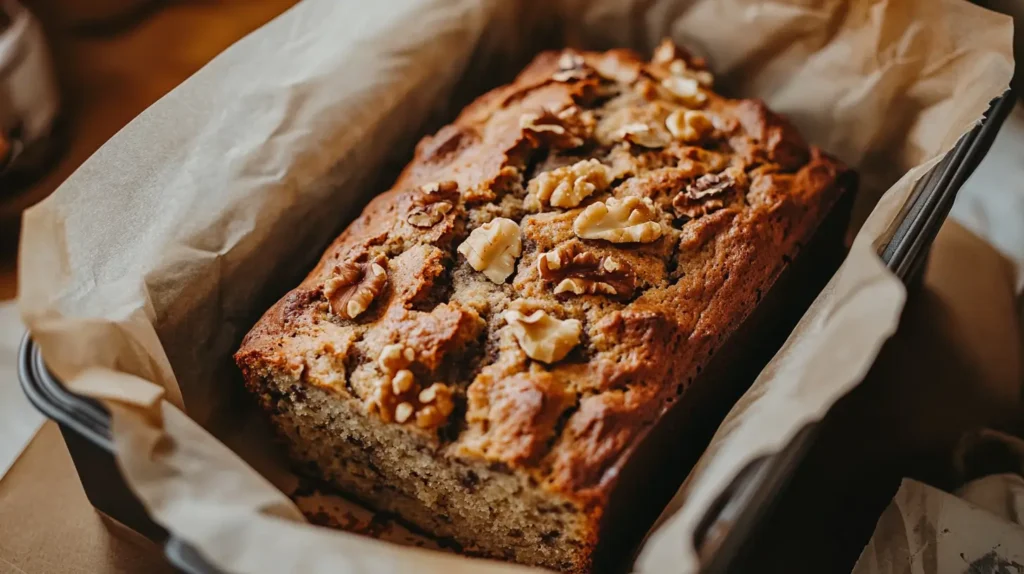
[{"x": 558, "y": 263}]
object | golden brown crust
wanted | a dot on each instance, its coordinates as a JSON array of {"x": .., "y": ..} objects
[{"x": 729, "y": 187}]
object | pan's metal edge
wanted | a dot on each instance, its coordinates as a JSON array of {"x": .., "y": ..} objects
[
  {"x": 751, "y": 494},
  {"x": 91, "y": 421}
]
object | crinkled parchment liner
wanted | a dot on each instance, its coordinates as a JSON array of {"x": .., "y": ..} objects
[{"x": 143, "y": 271}]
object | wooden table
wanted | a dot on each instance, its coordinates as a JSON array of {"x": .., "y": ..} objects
[
  {"x": 108, "y": 79},
  {"x": 46, "y": 523}
]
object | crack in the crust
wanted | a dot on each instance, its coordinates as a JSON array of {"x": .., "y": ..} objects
[
  {"x": 672, "y": 262},
  {"x": 563, "y": 420},
  {"x": 354, "y": 359}
]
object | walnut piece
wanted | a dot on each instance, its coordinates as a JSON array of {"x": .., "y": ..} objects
[
  {"x": 703, "y": 77},
  {"x": 445, "y": 188},
  {"x": 627, "y": 220},
  {"x": 688, "y": 125},
  {"x": 543, "y": 337},
  {"x": 5, "y": 150},
  {"x": 394, "y": 358},
  {"x": 397, "y": 397},
  {"x": 704, "y": 196},
  {"x": 668, "y": 56},
  {"x": 569, "y": 185},
  {"x": 493, "y": 249},
  {"x": 354, "y": 285},
  {"x": 401, "y": 400},
  {"x": 642, "y": 134},
  {"x": 687, "y": 90},
  {"x": 612, "y": 67},
  {"x": 578, "y": 272},
  {"x": 429, "y": 215},
  {"x": 565, "y": 129},
  {"x": 435, "y": 404},
  {"x": 571, "y": 66},
  {"x": 665, "y": 53}
]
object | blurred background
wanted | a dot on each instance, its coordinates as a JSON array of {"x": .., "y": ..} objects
[{"x": 73, "y": 72}]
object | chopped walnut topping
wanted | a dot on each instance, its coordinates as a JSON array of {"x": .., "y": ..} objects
[
  {"x": 571, "y": 66},
  {"x": 651, "y": 91},
  {"x": 688, "y": 125},
  {"x": 394, "y": 358},
  {"x": 402, "y": 412},
  {"x": 442, "y": 188},
  {"x": 581, "y": 272},
  {"x": 627, "y": 220},
  {"x": 569, "y": 185},
  {"x": 667, "y": 56},
  {"x": 432, "y": 204},
  {"x": 686, "y": 89},
  {"x": 493, "y": 248},
  {"x": 665, "y": 53},
  {"x": 703, "y": 77},
  {"x": 402, "y": 381},
  {"x": 435, "y": 405},
  {"x": 354, "y": 285},
  {"x": 643, "y": 135},
  {"x": 570, "y": 60},
  {"x": 543, "y": 337},
  {"x": 610, "y": 66},
  {"x": 398, "y": 398},
  {"x": 703, "y": 196},
  {"x": 428, "y": 215},
  {"x": 566, "y": 129}
]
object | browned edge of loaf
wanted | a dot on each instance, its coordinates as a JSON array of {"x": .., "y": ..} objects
[{"x": 574, "y": 423}]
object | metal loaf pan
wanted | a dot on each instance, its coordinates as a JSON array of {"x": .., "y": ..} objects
[
  {"x": 85, "y": 424},
  {"x": 747, "y": 501}
]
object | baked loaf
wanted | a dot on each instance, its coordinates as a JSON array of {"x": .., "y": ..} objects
[{"x": 480, "y": 349}]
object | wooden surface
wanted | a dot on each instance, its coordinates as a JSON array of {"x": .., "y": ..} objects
[
  {"x": 47, "y": 525},
  {"x": 108, "y": 76}
]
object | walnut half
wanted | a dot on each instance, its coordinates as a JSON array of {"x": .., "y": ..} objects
[
  {"x": 354, "y": 285},
  {"x": 566, "y": 129},
  {"x": 429, "y": 215},
  {"x": 627, "y": 220},
  {"x": 569, "y": 185},
  {"x": 706, "y": 195},
  {"x": 543, "y": 337},
  {"x": 578, "y": 272},
  {"x": 493, "y": 249}
]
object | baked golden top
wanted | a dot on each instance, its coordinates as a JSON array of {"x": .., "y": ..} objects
[{"x": 555, "y": 265}]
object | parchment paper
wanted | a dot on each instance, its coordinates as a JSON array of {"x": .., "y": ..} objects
[
  {"x": 142, "y": 273},
  {"x": 927, "y": 531}
]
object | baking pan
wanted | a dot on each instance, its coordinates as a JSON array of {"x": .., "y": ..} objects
[
  {"x": 735, "y": 517},
  {"x": 85, "y": 424}
]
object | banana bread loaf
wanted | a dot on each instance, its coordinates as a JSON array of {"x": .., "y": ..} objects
[{"x": 480, "y": 350}]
